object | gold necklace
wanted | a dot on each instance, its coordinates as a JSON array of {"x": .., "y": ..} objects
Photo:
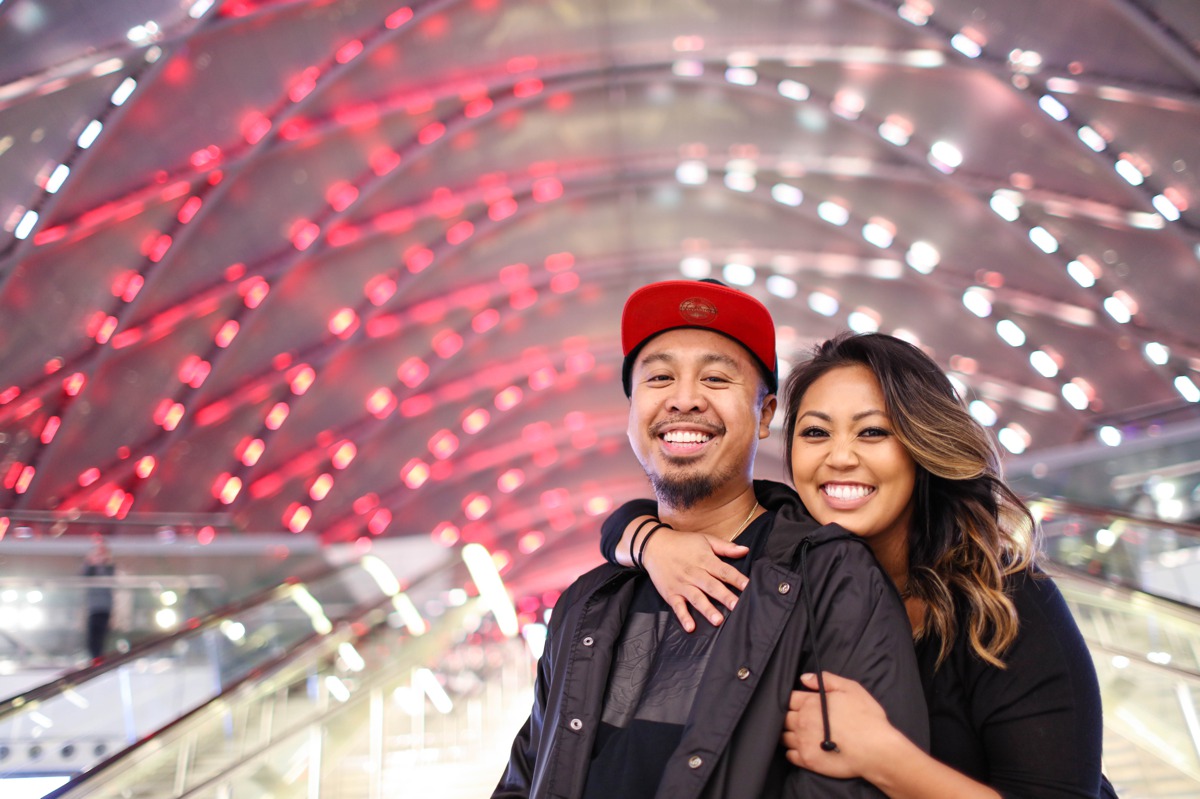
[{"x": 745, "y": 523}]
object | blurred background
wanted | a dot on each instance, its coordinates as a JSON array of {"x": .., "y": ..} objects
[{"x": 310, "y": 309}]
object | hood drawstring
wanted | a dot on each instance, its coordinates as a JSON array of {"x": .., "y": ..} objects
[{"x": 827, "y": 744}]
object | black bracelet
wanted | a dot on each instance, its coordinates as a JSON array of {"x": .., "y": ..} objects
[
  {"x": 636, "y": 533},
  {"x": 646, "y": 540}
]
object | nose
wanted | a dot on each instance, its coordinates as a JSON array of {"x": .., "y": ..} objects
[
  {"x": 842, "y": 453},
  {"x": 687, "y": 396}
]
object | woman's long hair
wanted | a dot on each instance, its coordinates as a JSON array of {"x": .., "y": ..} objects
[{"x": 969, "y": 529}]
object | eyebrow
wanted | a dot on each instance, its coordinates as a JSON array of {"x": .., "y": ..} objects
[
  {"x": 706, "y": 359},
  {"x": 856, "y": 417}
]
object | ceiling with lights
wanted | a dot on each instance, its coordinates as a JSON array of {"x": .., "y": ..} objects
[{"x": 355, "y": 268}]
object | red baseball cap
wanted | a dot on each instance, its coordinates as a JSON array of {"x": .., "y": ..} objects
[{"x": 704, "y": 304}]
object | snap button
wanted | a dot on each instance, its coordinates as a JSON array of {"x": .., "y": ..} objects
[
  {"x": 743, "y": 673},
  {"x": 695, "y": 762},
  {"x": 785, "y": 587},
  {"x": 589, "y": 641},
  {"x": 576, "y": 725}
]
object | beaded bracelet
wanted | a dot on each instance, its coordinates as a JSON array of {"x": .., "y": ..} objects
[
  {"x": 646, "y": 540},
  {"x": 636, "y": 533}
]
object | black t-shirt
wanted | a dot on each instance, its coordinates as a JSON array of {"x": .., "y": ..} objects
[
  {"x": 656, "y": 670},
  {"x": 1031, "y": 730}
]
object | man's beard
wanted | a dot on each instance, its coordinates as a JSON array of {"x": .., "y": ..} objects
[{"x": 684, "y": 491}]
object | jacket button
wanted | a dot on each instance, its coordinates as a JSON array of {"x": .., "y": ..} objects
[
  {"x": 743, "y": 673},
  {"x": 785, "y": 587},
  {"x": 576, "y": 725},
  {"x": 589, "y": 641},
  {"x": 695, "y": 762}
]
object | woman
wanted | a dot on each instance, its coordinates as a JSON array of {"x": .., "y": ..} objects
[{"x": 879, "y": 442}]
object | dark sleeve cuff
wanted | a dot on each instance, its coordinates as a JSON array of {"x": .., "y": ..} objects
[{"x": 618, "y": 520}]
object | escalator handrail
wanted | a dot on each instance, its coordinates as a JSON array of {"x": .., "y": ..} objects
[
  {"x": 311, "y": 644},
  {"x": 1176, "y": 608},
  {"x": 1101, "y": 512},
  {"x": 190, "y": 628}
]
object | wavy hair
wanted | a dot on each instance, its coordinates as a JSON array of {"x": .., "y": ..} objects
[{"x": 969, "y": 529}]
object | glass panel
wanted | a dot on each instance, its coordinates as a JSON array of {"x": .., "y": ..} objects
[
  {"x": 1152, "y": 556},
  {"x": 150, "y": 687}
]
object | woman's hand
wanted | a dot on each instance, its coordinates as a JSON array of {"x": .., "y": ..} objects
[
  {"x": 858, "y": 725},
  {"x": 868, "y": 746},
  {"x": 686, "y": 569}
]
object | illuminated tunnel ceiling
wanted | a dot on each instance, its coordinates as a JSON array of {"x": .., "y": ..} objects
[{"x": 355, "y": 268}]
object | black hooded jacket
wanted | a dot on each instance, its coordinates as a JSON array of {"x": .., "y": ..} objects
[{"x": 816, "y": 597}]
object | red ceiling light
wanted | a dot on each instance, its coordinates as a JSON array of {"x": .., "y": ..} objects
[
  {"x": 88, "y": 476},
  {"x": 502, "y": 209},
  {"x": 254, "y": 291},
  {"x": 543, "y": 378},
  {"x": 226, "y": 488},
  {"x": 443, "y": 444},
  {"x": 348, "y": 51},
  {"x": 398, "y": 18},
  {"x": 302, "y": 379},
  {"x": 476, "y": 506},
  {"x": 343, "y": 323},
  {"x": 485, "y": 320},
  {"x": 418, "y": 259},
  {"x": 379, "y": 289},
  {"x": 547, "y": 189},
  {"x": 297, "y": 517},
  {"x": 226, "y": 334},
  {"x": 253, "y": 451},
  {"x": 415, "y": 406},
  {"x": 414, "y": 473},
  {"x": 145, "y": 466},
  {"x": 50, "y": 428},
  {"x": 22, "y": 483},
  {"x": 189, "y": 209},
  {"x": 509, "y": 398},
  {"x": 321, "y": 487},
  {"x": 276, "y": 416},
  {"x": 71, "y": 385},
  {"x": 431, "y": 133},
  {"x": 447, "y": 343},
  {"x": 510, "y": 481},
  {"x": 379, "y": 521},
  {"x": 531, "y": 541},
  {"x": 343, "y": 455},
  {"x": 381, "y": 402},
  {"x": 528, "y": 87},
  {"x": 460, "y": 232},
  {"x": 445, "y": 534},
  {"x": 475, "y": 421},
  {"x": 412, "y": 372},
  {"x": 477, "y": 107},
  {"x": 564, "y": 283}
]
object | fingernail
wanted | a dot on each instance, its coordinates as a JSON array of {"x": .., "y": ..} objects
[
  {"x": 808, "y": 676},
  {"x": 715, "y": 619},
  {"x": 733, "y": 603}
]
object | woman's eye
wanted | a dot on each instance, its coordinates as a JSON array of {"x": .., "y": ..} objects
[
  {"x": 812, "y": 432},
  {"x": 875, "y": 432}
]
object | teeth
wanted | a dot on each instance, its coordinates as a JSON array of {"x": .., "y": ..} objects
[
  {"x": 847, "y": 491},
  {"x": 685, "y": 437}
]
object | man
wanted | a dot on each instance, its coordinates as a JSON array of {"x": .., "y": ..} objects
[
  {"x": 99, "y": 601},
  {"x": 629, "y": 705}
]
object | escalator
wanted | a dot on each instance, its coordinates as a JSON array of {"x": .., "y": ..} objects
[
  {"x": 80, "y": 719},
  {"x": 364, "y": 709},
  {"x": 1126, "y": 581}
]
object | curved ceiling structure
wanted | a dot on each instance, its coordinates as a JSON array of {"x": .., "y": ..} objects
[{"x": 356, "y": 267}]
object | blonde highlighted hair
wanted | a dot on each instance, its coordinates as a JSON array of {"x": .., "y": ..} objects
[{"x": 969, "y": 530}]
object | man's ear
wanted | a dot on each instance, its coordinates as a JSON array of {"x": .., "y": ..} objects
[{"x": 766, "y": 415}]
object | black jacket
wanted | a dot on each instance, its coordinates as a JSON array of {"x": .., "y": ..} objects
[{"x": 730, "y": 746}]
